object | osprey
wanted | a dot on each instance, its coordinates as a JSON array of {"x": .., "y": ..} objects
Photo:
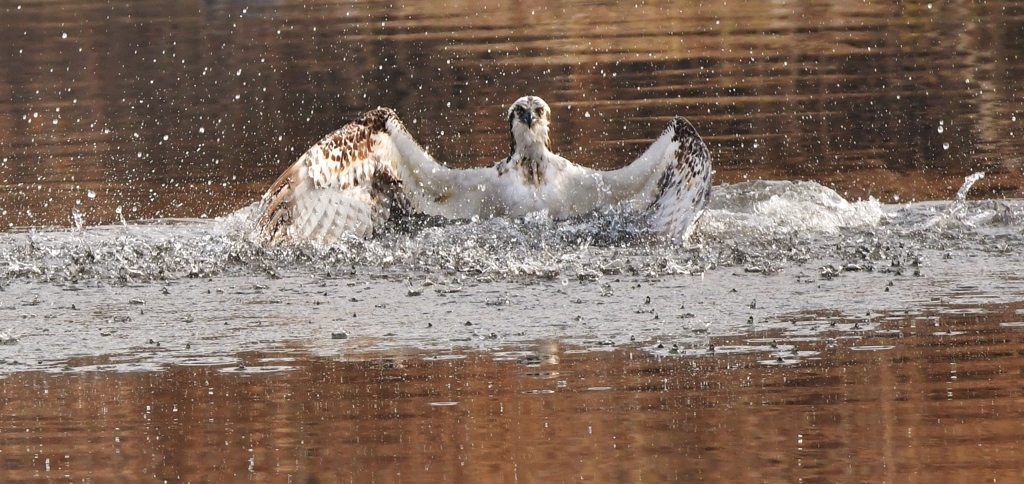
[{"x": 370, "y": 171}]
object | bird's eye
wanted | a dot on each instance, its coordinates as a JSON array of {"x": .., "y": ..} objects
[{"x": 539, "y": 111}]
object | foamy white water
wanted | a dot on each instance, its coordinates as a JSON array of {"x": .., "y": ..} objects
[
  {"x": 766, "y": 222},
  {"x": 793, "y": 257}
]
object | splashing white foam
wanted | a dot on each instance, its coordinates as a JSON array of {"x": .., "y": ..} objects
[
  {"x": 761, "y": 224},
  {"x": 955, "y": 215},
  {"x": 783, "y": 207}
]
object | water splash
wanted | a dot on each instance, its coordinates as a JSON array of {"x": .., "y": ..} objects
[
  {"x": 782, "y": 207},
  {"x": 760, "y": 226},
  {"x": 955, "y": 215}
]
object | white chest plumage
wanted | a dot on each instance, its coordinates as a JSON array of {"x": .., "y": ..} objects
[{"x": 522, "y": 188}]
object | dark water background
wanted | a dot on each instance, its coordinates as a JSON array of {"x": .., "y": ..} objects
[
  {"x": 804, "y": 339},
  {"x": 186, "y": 109}
]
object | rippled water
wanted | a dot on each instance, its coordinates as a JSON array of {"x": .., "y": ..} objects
[
  {"x": 857, "y": 318},
  {"x": 192, "y": 109}
]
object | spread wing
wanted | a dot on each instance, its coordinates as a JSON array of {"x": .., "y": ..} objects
[
  {"x": 357, "y": 178},
  {"x": 345, "y": 183},
  {"x": 684, "y": 188},
  {"x": 673, "y": 177}
]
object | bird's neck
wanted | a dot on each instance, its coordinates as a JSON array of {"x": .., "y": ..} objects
[
  {"x": 530, "y": 144},
  {"x": 531, "y": 161},
  {"x": 530, "y": 154},
  {"x": 532, "y": 151}
]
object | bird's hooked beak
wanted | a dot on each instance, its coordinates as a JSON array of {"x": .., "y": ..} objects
[{"x": 526, "y": 116}]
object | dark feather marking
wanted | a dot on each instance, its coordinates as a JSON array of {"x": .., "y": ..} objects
[
  {"x": 275, "y": 215},
  {"x": 532, "y": 170},
  {"x": 511, "y": 136},
  {"x": 390, "y": 200},
  {"x": 692, "y": 156},
  {"x": 502, "y": 167}
]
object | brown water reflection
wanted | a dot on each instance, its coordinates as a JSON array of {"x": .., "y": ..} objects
[
  {"x": 903, "y": 404},
  {"x": 192, "y": 108}
]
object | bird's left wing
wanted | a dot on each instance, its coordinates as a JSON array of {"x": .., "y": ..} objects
[{"x": 673, "y": 177}]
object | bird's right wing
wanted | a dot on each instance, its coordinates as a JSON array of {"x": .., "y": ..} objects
[
  {"x": 357, "y": 178},
  {"x": 346, "y": 183}
]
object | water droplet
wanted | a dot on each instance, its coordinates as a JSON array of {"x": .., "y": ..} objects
[
  {"x": 941, "y": 129},
  {"x": 945, "y": 146},
  {"x": 91, "y": 194},
  {"x": 64, "y": 35},
  {"x": 586, "y": 114}
]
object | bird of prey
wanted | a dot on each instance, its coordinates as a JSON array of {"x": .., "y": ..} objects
[{"x": 371, "y": 171}]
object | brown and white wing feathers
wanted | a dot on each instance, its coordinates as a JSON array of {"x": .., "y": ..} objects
[
  {"x": 672, "y": 178},
  {"x": 346, "y": 183},
  {"x": 684, "y": 188}
]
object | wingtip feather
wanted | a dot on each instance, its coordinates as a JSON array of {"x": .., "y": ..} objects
[{"x": 685, "y": 186}]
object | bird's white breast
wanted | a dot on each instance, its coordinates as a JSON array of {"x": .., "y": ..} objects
[{"x": 562, "y": 191}]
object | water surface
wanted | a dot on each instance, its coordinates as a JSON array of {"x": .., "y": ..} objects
[
  {"x": 193, "y": 109},
  {"x": 850, "y": 307}
]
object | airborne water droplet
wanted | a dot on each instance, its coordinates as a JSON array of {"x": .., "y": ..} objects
[
  {"x": 945, "y": 146},
  {"x": 91, "y": 194},
  {"x": 941, "y": 129}
]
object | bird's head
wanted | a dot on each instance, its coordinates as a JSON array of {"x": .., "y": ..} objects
[{"x": 528, "y": 120}]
